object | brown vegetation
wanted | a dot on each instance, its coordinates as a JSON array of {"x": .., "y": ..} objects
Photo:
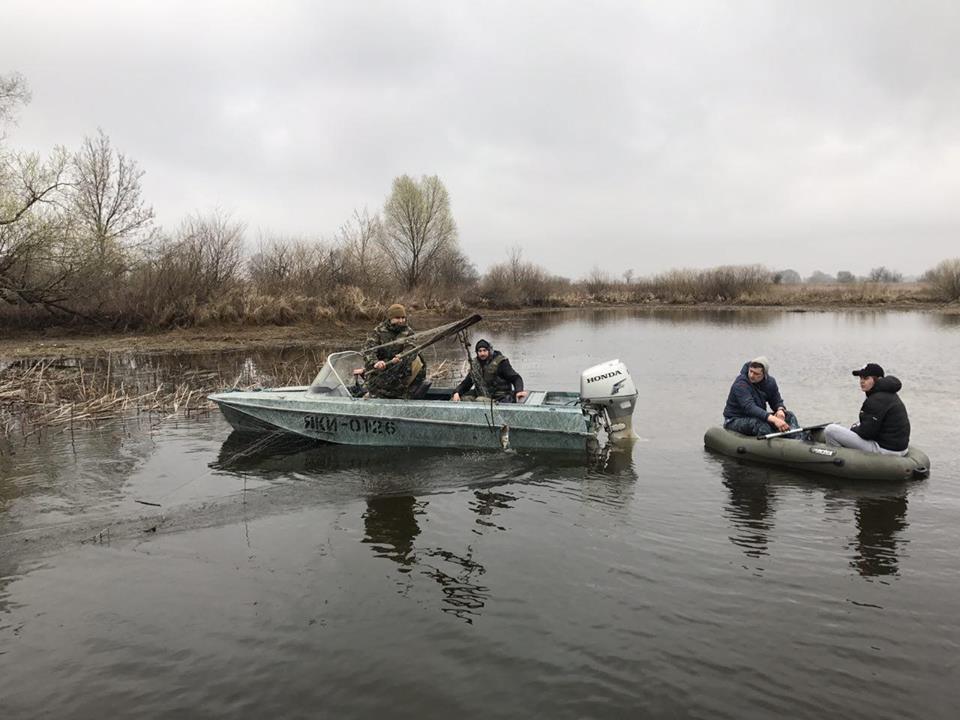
[
  {"x": 944, "y": 280},
  {"x": 42, "y": 394},
  {"x": 79, "y": 248}
]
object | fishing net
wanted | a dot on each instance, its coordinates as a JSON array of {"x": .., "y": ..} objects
[{"x": 424, "y": 338}]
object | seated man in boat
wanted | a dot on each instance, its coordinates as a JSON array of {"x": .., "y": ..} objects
[
  {"x": 490, "y": 376},
  {"x": 752, "y": 393},
  {"x": 388, "y": 375},
  {"x": 884, "y": 426}
]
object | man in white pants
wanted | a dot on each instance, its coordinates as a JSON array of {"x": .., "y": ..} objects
[{"x": 884, "y": 426}]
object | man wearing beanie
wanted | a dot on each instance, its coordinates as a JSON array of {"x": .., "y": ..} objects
[
  {"x": 490, "y": 376},
  {"x": 754, "y": 391},
  {"x": 388, "y": 375},
  {"x": 884, "y": 426}
]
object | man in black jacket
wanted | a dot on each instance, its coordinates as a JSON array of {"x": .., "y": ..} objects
[
  {"x": 884, "y": 426},
  {"x": 491, "y": 376}
]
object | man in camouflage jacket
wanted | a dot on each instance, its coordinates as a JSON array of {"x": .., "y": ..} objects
[{"x": 387, "y": 375}]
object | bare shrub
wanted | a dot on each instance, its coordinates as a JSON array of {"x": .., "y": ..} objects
[
  {"x": 349, "y": 302},
  {"x": 884, "y": 275},
  {"x": 597, "y": 281},
  {"x": 945, "y": 279},
  {"x": 729, "y": 282},
  {"x": 724, "y": 283},
  {"x": 452, "y": 275},
  {"x": 361, "y": 241},
  {"x": 288, "y": 266},
  {"x": 518, "y": 283}
]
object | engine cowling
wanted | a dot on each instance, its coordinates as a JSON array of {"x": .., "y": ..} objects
[{"x": 608, "y": 389}]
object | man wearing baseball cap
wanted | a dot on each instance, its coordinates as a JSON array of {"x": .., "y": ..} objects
[
  {"x": 884, "y": 426},
  {"x": 395, "y": 377}
]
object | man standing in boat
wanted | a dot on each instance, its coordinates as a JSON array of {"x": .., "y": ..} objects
[
  {"x": 884, "y": 426},
  {"x": 752, "y": 393},
  {"x": 387, "y": 374},
  {"x": 490, "y": 376}
]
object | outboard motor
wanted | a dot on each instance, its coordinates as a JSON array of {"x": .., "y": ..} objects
[{"x": 609, "y": 395}]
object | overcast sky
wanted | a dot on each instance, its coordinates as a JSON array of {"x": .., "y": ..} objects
[{"x": 641, "y": 135}]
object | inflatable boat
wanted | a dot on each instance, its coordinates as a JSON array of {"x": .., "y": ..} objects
[{"x": 814, "y": 455}]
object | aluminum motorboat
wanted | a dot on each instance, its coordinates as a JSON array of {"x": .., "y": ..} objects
[{"x": 333, "y": 408}]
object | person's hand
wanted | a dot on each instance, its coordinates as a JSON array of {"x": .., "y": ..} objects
[
  {"x": 781, "y": 413},
  {"x": 522, "y": 395},
  {"x": 778, "y": 423},
  {"x": 379, "y": 365},
  {"x": 396, "y": 359},
  {"x": 358, "y": 371},
  {"x": 455, "y": 397}
]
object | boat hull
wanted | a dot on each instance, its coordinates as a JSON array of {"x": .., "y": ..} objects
[
  {"x": 817, "y": 456},
  {"x": 405, "y": 423}
]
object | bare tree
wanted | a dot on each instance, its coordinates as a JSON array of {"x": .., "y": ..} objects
[
  {"x": 39, "y": 263},
  {"x": 597, "y": 280},
  {"x": 24, "y": 179},
  {"x": 945, "y": 279},
  {"x": 212, "y": 247},
  {"x": 106, "y": 197},
  {"x": 360, "y": 239},
  {"x": 516, "y": 264},
  {"x": 884, "y": 275},
  {"x": 418, "y": 227},
  {"x": 13, "y": 92}
]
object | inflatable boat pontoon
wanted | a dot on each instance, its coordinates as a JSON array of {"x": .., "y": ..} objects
[{"x": 816, "y": 456}]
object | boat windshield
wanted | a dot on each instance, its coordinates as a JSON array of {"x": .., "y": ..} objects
[{"x": 337, "y": 374}]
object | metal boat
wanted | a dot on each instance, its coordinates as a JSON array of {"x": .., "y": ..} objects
[
  {"x": 814, "y": 455},
  {"x": 333, "y": 409}
]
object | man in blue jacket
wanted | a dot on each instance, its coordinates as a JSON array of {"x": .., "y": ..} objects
[{"x": 754, "y": 405}]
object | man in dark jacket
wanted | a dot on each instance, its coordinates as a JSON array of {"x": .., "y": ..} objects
[
  {"x": 754, "y": 391},
  {"x": 491, "y": 376},
  {"x": 884, "y": 426},
  {"x": 387, "y": 374}
]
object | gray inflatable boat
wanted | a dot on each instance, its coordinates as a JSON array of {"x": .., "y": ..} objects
[{"x": 816, "y": 456}]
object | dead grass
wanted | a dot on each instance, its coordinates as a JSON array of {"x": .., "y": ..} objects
[{"x": 49, "y": 393}]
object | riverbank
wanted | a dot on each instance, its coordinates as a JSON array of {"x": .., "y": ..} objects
[{"x": 334, "y": 334}]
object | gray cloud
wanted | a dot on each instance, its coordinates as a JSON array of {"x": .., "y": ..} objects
[{"x": 810, "y": 135}]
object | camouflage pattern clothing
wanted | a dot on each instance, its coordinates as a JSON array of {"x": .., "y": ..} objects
[
  {"x": 494, "y": 378},
  {"x": 394, "y": 381}
]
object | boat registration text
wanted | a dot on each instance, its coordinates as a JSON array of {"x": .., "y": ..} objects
[{"x": 333, "y": 424}]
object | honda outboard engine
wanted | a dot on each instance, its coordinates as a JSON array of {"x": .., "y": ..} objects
[{"x": 609, "y": 395}]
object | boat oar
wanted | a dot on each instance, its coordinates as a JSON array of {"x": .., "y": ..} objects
[
  {"x": 452, "y": 330},
  {"x": 792, "y": 432}
]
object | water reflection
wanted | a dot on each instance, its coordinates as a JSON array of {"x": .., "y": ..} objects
[
  {"x": 391, "y": 526},
  {"x": 947, "y": 320},
  {"x": 514, "y": 328},
  {"x": 751, "y": 507},
  {"x": 393, "y": 482},
  {"x": 878, "y": 511},
  {"x": 879, "y": 522}
]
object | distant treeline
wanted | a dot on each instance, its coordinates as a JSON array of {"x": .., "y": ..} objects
[{"x": 79, "y": 246}]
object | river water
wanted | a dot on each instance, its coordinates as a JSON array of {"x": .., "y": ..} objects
[{"x": 295, "y": 580}]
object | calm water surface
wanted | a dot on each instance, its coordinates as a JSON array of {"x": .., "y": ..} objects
[{"x": 295, "y": 580}]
